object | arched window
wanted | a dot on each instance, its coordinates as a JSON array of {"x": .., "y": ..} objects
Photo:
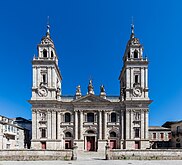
[
  {"x": 90, "y": 117},
  {"x": 67, "y": 117},
  {"x": 90, "y": 132},
  {"x": 135, "y": 54},
  {"x": 113, "y": 134},
  {"x": 44, "y": 53},
  {"x": 43, "y": 133},
  {"x": 52, "y": 54},
  {"x": 178, "y": 129},
  {"x": 113, "y": 117},
  {"x": 137, "y": 132},
  {"x": 136, "y": 78},
  {"x": 68, "y": 134},
  {"x": 129, "y": 54}
]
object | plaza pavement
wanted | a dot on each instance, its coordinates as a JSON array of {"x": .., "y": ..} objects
[
  {"x": 91, "y": 158},
  {"x": 95, "y": 162}
]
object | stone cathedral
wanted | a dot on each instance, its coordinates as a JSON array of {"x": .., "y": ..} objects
[{"x": 90, "y": 121}]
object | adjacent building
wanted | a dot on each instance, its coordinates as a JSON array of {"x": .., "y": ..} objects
[
  {"x": 176, "y": 133},
  {"x": 11, "y": 135},
  {"x": 27, "y": 126},
  {"x": 160, "y": 137},
  {"x": 91, "y": 120}
]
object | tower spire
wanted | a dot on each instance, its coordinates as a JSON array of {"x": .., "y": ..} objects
[
  {"x": 48, "y": 27},
  {"x": 132, "y": 28}
]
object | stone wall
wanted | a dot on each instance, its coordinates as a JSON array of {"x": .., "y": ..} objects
[
  {"x": 168, "y": 154},
  {"x": 19, "y": 155}
]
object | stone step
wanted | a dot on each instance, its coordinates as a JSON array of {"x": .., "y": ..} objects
[{"x": 88, "y": 155}]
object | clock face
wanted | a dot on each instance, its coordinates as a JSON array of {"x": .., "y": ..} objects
[
  {"x": 42, "y": 92},
  {"x": 137, "y": 92}
]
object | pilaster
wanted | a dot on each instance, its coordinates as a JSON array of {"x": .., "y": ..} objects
[
  {"x": 49, "y": 125},
  {"x": 34, "y": 125},
  {"x": 127, "y": 124},
  {"x": 81, "y": 125},
  {"x": 142, "y": 78},
  {"x": 131, "y": 125},
  {"x": 58, "y": 125},
  {"x": 146, "y": 123},
  {"x": 37, "y": 124},
  {"x": 142, "y": 124},
  {"x": 76, "y": 125},
  {"x": 105, "y": 125},
  {"x": 54, "y": 124}
]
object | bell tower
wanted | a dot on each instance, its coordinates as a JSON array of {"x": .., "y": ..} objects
[
  {"x": 134, "y": 75},
  {"x": 46, "y": 74},
  {"x": 134, "y": 94}
]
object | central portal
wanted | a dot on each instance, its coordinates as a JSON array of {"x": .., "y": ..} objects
[{"x": 90, "y": 143}]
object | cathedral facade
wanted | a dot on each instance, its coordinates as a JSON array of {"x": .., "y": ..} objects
[{"x": 90, "y": 121}]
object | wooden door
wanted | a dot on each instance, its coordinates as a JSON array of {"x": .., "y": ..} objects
[
  {"x": 67, "y": 144},
  {"x": 112, "y": 144},
  {"x": 90, "y": 143},
  {"x": 137, "y": 145},
  {"x": 43, "y": 145}
]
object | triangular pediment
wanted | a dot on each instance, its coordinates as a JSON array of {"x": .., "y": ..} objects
[{"x": 90, "y": 98}]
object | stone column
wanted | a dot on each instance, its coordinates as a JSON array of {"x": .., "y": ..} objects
[
  {"x": 51, "y": 78},
  {"x": 128, "y": 78},
  {"x": 76, "y": 125},
  {"x": 38, "y": 78},
  {"x": 37, "y": 124},
  {"x": 54, "y": 124},
  {"x": 100, "y": 125},
  {"x": 146, "y": 77},
  {"x": 49, "y": 124},
  {"x": 55, "y": 78},
  {"x": 127, "y": 123},
  {"x": 122, "y": 125},
  {"x": 49, "y": 81},
  {"x": 132, "y": 75},
  {"x": 142, "y": 124},
  {"x": 105, "y": 125},
  {"x": 131, "y": 125},
  {"x": 58, "y": 125},
  {"x": 34, "y": 125},
  {"x": 81, "y": 125},
  {"x": 34, "y": 77},
  {"x": 142, "y": 77}
]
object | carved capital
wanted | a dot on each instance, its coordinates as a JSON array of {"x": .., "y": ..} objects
[
  {"x": 34, "y": 110},
  {"x": 146, "y": 110}
]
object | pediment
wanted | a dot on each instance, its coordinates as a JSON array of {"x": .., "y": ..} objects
[{"x": 91, "y": 99}]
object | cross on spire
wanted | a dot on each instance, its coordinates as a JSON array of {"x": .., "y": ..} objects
[{"x": 48, "y": 27}]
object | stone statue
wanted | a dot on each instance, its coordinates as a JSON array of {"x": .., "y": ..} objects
[
  {"x": 90, "y": 88},
  {"x": 78, "y": 89},
  {"x": 102, "y": 92},
  {"x": 102, "y": 88}
]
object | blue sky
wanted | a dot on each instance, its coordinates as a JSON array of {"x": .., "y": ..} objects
[{"x": 90, "y": 38}]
